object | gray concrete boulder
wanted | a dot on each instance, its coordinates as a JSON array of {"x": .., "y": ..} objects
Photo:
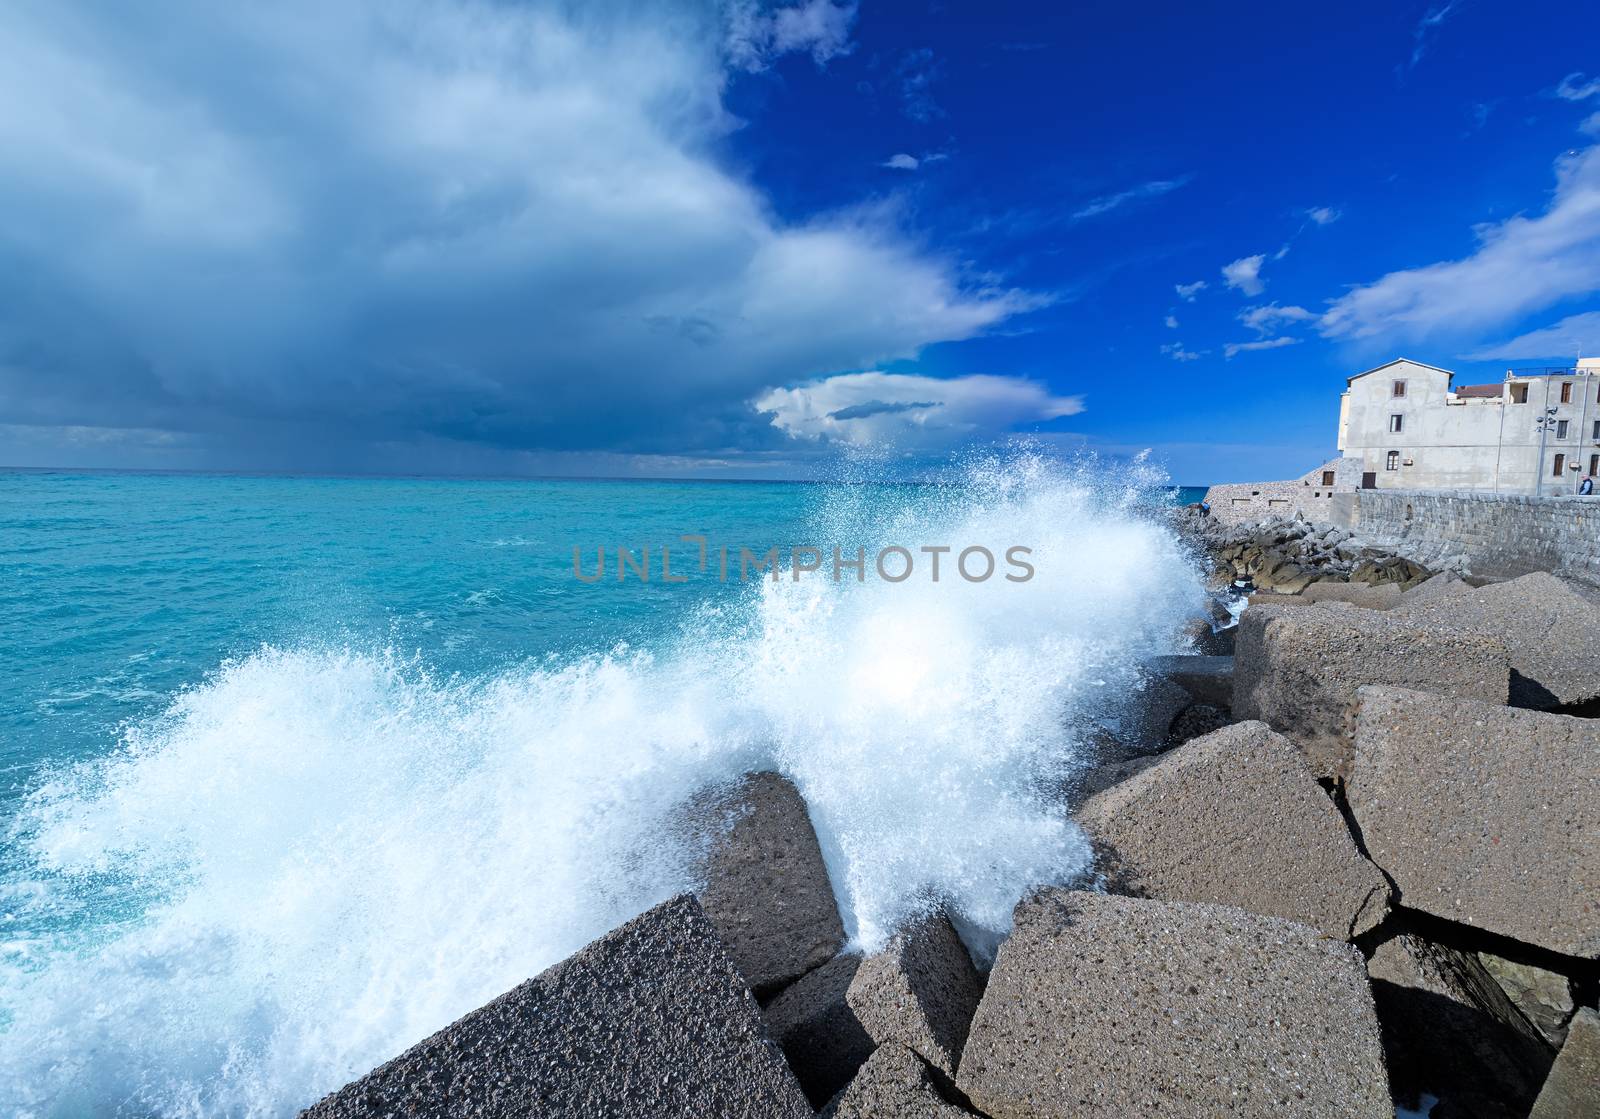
[
  {"x": 1385, "y": 596},
  {"x": 895, "y": 1083},
  {"x": 1206, "y": 679},
  {"x": 1573, "y": 1089},
  {"x": 920, "y": 991},
  {"x": 1449, "y": 1030},
  {"x": 1236, "y": 818},
  {"x": 1110, "y": 1006},
  {"x": 1440, "y": 586},
  {"x": 1297, "y": 670},
  {"x": 1550, "y": 629},
  {"x": 1098, "y": 779},
  {"x": 1485, "y": 815},
  {"x": 652, "y": 1019},
  {"x": 766, "y": 886},
  {"x": 1542, "y": 996}
]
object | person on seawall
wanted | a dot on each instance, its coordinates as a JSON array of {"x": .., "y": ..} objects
[{"x": 1586, "y": 487}]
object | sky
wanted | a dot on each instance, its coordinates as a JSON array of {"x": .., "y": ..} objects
[{"x": 741, "y": 239}]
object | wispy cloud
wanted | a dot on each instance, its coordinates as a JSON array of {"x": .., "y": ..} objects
[
  {"x": 1172, "y": 322},
  {"x": 1106, "y": 203},
  {"x": 1521, "y": 265},
  {"x": 1232, "y": 349},
  {"x": 757, "y": 35},
  {"x": 1187, "y": 292},
  {"x": 1244, "y": 274},
  {"x": 902, "y": 161},
  {"x": 914, "y": 75},
  {"x": 1176, "y": 352},
  {"x": 1422, "y": 34},
  {"x": 1573, "y": 336},
  {"x": 1574, "y": 87},
  {"x": 1323, "y": 215},
  {"x": 1264, "y": 319}
]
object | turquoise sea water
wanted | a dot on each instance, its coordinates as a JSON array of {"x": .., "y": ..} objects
[{"x": 293, "y": 771}]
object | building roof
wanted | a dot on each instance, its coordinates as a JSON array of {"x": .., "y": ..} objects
[
  {"x": 1486, "y": 392},
  {"x": 1397, "y": 361}
]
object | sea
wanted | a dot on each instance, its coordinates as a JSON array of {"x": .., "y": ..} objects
[{"x": 296, "y": 770}]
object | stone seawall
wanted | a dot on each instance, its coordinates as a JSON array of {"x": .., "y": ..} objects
[{"x": 1502, "y": 535}]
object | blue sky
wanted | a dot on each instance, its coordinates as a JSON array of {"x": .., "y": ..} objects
[{"x": 734, "y": 239}]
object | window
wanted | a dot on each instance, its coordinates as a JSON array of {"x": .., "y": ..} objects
[
  {"x": 1519, "y": 393},
  {"x": 1594, "y": 465},
  {"x": 1399, "y": 390},
  {"x": 1561, "y": 466},
  {"x": 1392, "y": 461},
  {"x": 1397, "y": 423},
  {"x": 1597, "y": 429},
  {"x": 1327, "y": 475},
  {"x": 1561, "y": 429},
  {"x": 1566, "y": 392}
]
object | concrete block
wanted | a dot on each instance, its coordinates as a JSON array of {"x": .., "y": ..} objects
[
  {"x": 766, "y": 886},
  {"x": 1236, "y": 818},
  {"x": 1206, "y": 679},
  {"x": 1112, "y": 1006},
  {"x": 652, "y": 1019},
  {"x": 1573, "y": 1089},
  {"x": 1485, "y": 815},
  {"x": 1298, "y": 669},
  {"x": 895, "y": 1083}
]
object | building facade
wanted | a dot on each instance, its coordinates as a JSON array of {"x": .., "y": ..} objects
[
  {"x": 1309, "y": 496},
  {"x": 1536, "y": 432}
]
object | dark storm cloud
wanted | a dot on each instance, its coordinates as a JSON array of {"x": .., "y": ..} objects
[{"x": 365, "y": 223}]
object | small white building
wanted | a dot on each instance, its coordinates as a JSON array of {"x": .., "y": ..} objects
[{"x": 1536, "y": 432}]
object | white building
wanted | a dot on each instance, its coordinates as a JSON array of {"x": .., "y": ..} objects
[{"x": 1536, "y": 432}]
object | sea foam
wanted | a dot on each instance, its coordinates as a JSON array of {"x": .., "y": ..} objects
[{"x": 322, "y": 855}]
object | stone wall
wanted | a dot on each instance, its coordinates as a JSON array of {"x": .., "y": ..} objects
[
  {"x": 1309, "y": 495},
  {"x": 1499, "y": 534}
]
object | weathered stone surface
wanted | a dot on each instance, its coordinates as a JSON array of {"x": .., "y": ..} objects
[
  {"x": 821, "y": 1036},
  {"x": 766, "y": 886},
  {"x": 1485, "y": 815},
  {"x": 1382, "y": 597},
  {"x": 1573, "y": 1089},
  {"x": 1156, "y": 706},
  {"x": 1196, "y": 720},
  {"x": 650, "y": 1020},
  {"x": 1550, "y": 629},
  {"x": 1440, "y": 586},
  {"x": 1102, "y": 777},
  {"x": 1298, "y": 669},
  {"x": 1543, "y": 997},
  {"x": 920, "y": 991},
  {"x": 1111, "y": 1006},
  {"x": 895, "y": 1083},
  {"x": 1236, "y": 818},
  {"x": 1206, "y": 679},
  {"x": 1448, "y": 1029}
]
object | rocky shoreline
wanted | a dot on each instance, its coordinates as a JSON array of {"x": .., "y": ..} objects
[{"x": 1347, "y": 860}]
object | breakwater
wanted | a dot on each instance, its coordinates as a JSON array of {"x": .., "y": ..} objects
[{"x": 1499, "y": 535}]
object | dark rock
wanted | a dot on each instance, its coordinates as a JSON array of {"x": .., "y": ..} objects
[
  {"x": 1102, "y": 777},
  {"x": 1573, "y": 1089},
  {"x": 821, "y": 1036},
  {"x": 1298, "y": 670},
  {"x": 1550, "y": 629},
  {"x": 766, "y": 886},
  {"x": 1104, "y": 1005},
  {"x": 1484, "y": 815},
  {"x": 1196, "y": 720},
  {"x": 1543, "y": 997},
  {"x": 1449, "y": 1029},
  {"x": 1205, "y": 679},
  {"x": 652, "y": 1019},
  {"x": 1236, "y": 818},
  {"x": 895, "y": 1083}
]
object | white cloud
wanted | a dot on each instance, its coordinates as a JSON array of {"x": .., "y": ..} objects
[
  {"x": 1422, "y": 33},
  {"x": 1323, "y": 215},
  {"x": 1232, "y": 348},
  {"x": 1573, "y": 87},
  {"x": 1109, "y": 202},
  {"x": 900, "y": 161},
  {"x": 1264, "y": 319},
  {"x": 500, "y": 224},
  {"x": 1187, "y": 292},
  {"x": 1521, "y": 265},
  {"x": 1172, "y": 322},
  {"x": 911, "y": 411},
  {"x": 1244, "y": 274},
  {"x": 1591, "y": 125},
  {"x": 1176, "y": 352},
  {"x": 756, "y": 35},
  {"x": 1573, "y": 336}
]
